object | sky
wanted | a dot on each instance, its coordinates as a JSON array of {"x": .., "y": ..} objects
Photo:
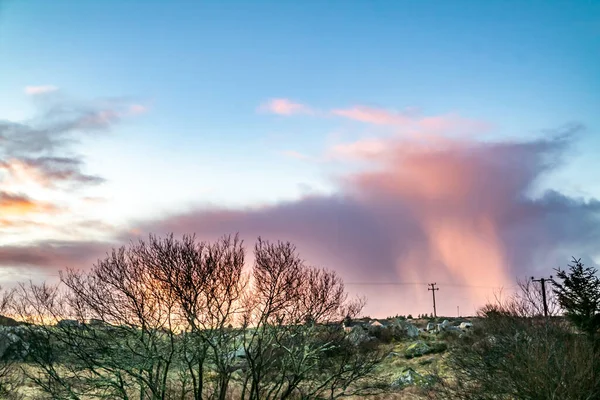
[{"x": 398, "y": 143}]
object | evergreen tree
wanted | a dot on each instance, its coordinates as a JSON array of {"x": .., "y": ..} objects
[{"x": 578, "y": 293}]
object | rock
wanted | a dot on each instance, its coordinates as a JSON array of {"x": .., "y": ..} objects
[
  {"x": 408, "y": 377},
  {"x": 6, "y": 341},
  {"x": 12, "y": 345},
  {"x": 417, "y": 349},
  {"x": 465, "y": 325},
  {"x": 358, "y": 335},
  {"x": 430, "y": 327},
  {"x": 411, "y": 377},
  {"x": 411, "y": 330},
  {"x": 443, "y": 326},
  {"x": 240, "y": 352}
]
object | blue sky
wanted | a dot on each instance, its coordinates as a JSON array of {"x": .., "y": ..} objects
[{"x": 202, "y": 69}]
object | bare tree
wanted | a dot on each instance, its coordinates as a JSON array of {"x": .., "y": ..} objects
[
  {"x": 206, "y": 282},
  {"x": 529, "y": 300},
  {"x": 132, "y": 344},
  {"x": 167, "y": 318},
  {"x": 286, "y": 341},
  {"x": 11, "y": 348}
]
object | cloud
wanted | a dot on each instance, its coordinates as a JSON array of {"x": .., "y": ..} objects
[
  {"x": 35, "y": 90},
  {"x": 52, "y": 256},
  {"x": 362, "y": 149},
  {"x": 20, "y": 204},
  {"x": 39, "y": 155},
  {"x": 373, "y": 115},
  {"x": 296, "y": 155},
  {"x": 49, "y": 172},
  {"x": 135, "y": 109},
  {"x": 410, "y": 121},
  {"x": 425, "y": 208},
  {"x": 456, "y": 213},
  {"x": 284, "y": 107}
]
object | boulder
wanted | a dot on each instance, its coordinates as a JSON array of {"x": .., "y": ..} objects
[
  {"x": 410, "y": 330},
  {"x": 465, "y": 325},
  {"x": 12, "y": 345},
  {"x": 408, "y": 377},
  {"x": 358, "y": 335},
  {"x": 430, "y": 327},
  {"x": 443, "y": 326},
  {"x": 7, "y": 339},
  {"x": 417, "y": 349}
]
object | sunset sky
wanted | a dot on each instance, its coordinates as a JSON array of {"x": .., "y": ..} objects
[{"x": 397, "y": 141}]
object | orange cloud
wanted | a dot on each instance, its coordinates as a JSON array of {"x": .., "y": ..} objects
[
  {"x": 284, "y": 107},
  {"x": 47, "y": 171},
  {"x": 19, "y": 205}
]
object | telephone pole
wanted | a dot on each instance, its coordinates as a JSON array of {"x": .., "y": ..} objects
[
  {"x": 433, "y": 289},
  {"x": 543, "y": 282}
]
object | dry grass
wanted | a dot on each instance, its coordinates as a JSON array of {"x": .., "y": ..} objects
[{"x": 389, "y": 371}]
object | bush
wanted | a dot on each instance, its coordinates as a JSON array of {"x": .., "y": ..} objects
[{"x": 515, "y": 356}]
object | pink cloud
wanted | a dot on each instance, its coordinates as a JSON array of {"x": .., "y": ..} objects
[
  {"x": 453, "y": 212},
  {"x": 42, "y": 89},
  {"x": 375, "y": 116},
  {"x": 426, "y": 208},
  {"x": 411, "y": 122},
  {"x": 361, "y": 149},
  {"x": 284, "y": 107},
  {"x": 296, "y": 155},
  {"x": 137, "y": 109}
]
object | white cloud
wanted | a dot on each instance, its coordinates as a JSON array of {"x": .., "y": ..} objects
[{"x": 35, "y": 90}]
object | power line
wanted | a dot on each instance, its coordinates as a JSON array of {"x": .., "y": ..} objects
[{"x": 426, "y": 284}]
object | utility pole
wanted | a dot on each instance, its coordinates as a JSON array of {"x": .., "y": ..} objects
[
  {"x": 543, "y": 282},
  {"x": 433, "y": 289}
]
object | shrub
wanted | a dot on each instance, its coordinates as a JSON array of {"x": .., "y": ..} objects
[{"x": 522, "y": 357}]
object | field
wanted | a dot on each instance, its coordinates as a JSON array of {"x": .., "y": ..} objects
[{"x": 410, "y": 369}]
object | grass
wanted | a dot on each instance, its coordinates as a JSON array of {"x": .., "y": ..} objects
[{"x": 396, "y": 365}]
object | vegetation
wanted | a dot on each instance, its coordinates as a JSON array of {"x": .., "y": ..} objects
[
  {"x": 183, "y": 319},
  {"x": 516, "y": 353}
]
